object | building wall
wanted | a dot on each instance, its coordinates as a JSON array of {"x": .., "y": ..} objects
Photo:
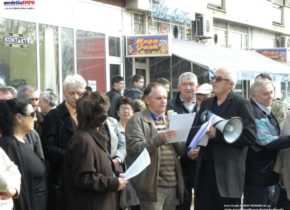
[{"x": 256, "y": 13}]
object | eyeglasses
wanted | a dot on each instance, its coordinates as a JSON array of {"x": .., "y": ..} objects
[
  {"x": 126, "y": 108},
  {"x": 218, "y": 79},
  {"x": 32, "y": 114}
]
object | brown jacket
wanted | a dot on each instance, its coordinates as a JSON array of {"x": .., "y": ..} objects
[
  {"x": 89, "y": 181},
  {"x": 141, "y": 133}
]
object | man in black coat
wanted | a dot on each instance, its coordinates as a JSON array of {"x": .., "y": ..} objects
[
  {"x": 185, "y": 103},
  {"x": 260, "y": 178},
  {"x": 58, "y": 127},
  {"x": 220, "y": 171}
]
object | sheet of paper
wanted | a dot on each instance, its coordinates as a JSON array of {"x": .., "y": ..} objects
[
  {"x": 201, "y": 133},
  {"x": 139, "y": 165},
  {"x": 181, "y": 123}
]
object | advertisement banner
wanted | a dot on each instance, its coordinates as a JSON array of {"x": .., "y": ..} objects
[
  {"x": 147, "y": 46},
  {"x": 277, "y": 54}
]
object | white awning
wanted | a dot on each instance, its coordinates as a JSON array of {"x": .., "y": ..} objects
[{"x": 246, "y": 63}]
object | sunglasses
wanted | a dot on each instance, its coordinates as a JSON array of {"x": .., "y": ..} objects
[
  {"x": 218, "y": 79},
  {"x": 32, "y": 114}
]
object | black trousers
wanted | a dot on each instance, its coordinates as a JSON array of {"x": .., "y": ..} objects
[{"x": 207, "y": 195}]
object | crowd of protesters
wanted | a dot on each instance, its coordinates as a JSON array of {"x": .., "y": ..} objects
[{"x": 73, "y": 154}]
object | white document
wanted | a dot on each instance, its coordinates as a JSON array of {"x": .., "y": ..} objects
[
  {"x": 181, "y": 123},
  {"x": 200, "y": 135},
  {"x": 139, "y": 165}
]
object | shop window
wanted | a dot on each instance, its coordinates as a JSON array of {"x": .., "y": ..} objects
[
  {"x": 114, "y": 46},
  {"x": 91, "y": 63},
  {"x": 67, "y": 51},
  {"x": 17, "y": 52},
  {"x": 48, "y": 57}
]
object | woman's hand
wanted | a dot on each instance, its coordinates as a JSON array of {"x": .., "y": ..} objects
[{"x": 122, "y": 181}]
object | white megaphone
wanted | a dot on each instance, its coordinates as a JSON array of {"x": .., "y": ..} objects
[{"x": 231, "y": 129}]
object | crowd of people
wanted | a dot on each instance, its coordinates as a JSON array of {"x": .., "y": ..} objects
[{"x": 74, "y": 154}]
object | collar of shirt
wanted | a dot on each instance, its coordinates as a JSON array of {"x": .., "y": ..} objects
[
  {"x": 156, "y": 117},
  {"x": 263, "y": 108},
  {"x": 188, "y": 106}
]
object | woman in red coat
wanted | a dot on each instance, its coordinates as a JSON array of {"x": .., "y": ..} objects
[{"x": 90, "y": 182}]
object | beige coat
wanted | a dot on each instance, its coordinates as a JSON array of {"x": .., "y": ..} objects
[{"x": 141, "y": 133}]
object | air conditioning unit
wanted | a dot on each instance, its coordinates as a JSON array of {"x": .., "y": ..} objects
[{"x": 203, "y": 26}]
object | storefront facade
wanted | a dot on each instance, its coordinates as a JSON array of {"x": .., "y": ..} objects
[{"x": 42, "y": 44}]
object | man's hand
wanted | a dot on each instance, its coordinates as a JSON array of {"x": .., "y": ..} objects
[
  {"x": 211, "y": 133},
  {"x": 193, "y": 154},
  {"x": 166, "y": 135}
]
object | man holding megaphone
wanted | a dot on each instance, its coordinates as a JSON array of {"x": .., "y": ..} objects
[{"x": 220, "y": 171}]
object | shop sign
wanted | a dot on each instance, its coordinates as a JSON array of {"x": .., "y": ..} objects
[
  {"x": 176, "y": 11},
  {"x": 277, "y": 54},
  {"x": 147, "y": 46},
  {"x": 16, "y": 40}
]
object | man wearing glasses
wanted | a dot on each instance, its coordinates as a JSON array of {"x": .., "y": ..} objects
[{"x": 220, "y": 171}]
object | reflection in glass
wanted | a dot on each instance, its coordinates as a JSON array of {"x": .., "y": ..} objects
[
  {"x": 91, "y": 63},
  {"x": 67, "y": 51},
  {"x": 17, "y": 61},
  {"x": 48, "y": 54}
]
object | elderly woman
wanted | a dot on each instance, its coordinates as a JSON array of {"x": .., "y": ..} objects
[
  {"x": 89, "y": 179},
  {"x": 33, "y": 191},
  {"x": 125, "y": 111}
]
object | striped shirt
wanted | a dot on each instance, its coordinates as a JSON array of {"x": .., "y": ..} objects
[{"x": 167, "y": 174}]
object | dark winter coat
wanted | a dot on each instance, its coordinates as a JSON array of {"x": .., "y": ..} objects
[{"x": 89, "y": 180}]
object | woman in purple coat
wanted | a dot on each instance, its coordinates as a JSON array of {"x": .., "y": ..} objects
[{"x": 89, "y": 179}]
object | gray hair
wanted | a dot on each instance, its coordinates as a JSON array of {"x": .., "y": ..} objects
[
  {"x": 187, "y": 76},
  {"x": 23, "y": 89},
  {"x": 49, "y": 97},
  {"x": 255, "y": 87},
  {"x": 74, "y": 82},
  {"x": 9, "y": 89}
]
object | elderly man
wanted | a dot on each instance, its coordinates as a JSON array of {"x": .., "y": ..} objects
[
  {"x": 261, "y": 157},
  {"x": 47, "y": 101},
  {"x": 203, "y": 92},
  {"x": 277, "y": 107},
  {"x": 185, "y": 102},
  {"x": 160, "y": 185},
  {"x": 220, "y": 171},
  {"x": 7, "y": 92},
  {"x": 58, "y": 127}
]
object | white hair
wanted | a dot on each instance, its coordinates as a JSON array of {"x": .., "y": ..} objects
[{"x": 74, "y": 82}]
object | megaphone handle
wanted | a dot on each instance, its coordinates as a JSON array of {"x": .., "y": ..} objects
[{"x": 217, "y": 123}]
